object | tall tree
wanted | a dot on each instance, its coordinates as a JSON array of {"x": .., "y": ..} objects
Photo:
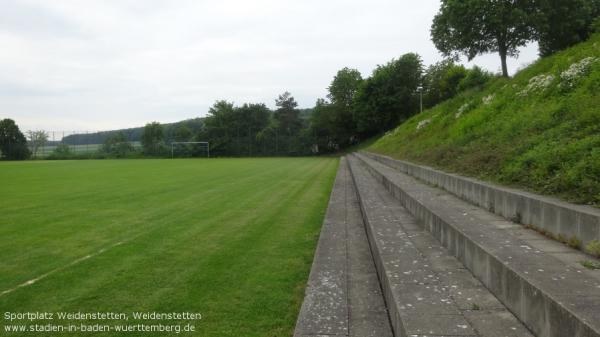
[
  {"x": 474, "y": 27},
  {"x": 220, "y": 128},
  {"x": 37, "y": 139},
  {"x": 256, "y": 115},
  {"x": 389, "y": 95},
  {"x": 252, "y": 119},
  {"x": 344, "y": 86},
  {"x": 13, "y": 143},
  {"x": 152, "y": 137},
  {"x": 563, "y": 23},
  {"x": 342, "y": 93},
  {"x": 287, "y": 114},
  {"x": 289, "y": 123},
  {"x": 233, "y": 130},
  {"x": 323, "y": 127}
]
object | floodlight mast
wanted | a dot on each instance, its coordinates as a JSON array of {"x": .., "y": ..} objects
[{"x": 204, "y": 143}]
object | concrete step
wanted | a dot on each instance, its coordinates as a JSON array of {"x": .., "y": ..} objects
[
  {"x": 459, "y": 186},
  {"x": 343, "y": 296},
  {"x": 555, "y": 217},
  {"x": 546, "y": 293},
  {"x": 428, "y": 291}
]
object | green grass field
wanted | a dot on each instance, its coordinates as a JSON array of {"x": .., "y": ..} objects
[{"x": 232, "y": 239}]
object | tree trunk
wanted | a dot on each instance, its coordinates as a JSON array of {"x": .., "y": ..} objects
[{"x": 502, "y": 51}]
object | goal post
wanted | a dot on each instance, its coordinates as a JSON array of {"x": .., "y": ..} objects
[{"x": 203, "y": 145}]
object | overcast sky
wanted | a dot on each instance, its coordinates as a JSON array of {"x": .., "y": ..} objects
[{"x": 97, "y": 65}]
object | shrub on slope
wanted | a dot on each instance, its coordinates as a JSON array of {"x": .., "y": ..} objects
[{"x": 539, "y": 130}]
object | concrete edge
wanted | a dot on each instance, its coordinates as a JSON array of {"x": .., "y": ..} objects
[
  {"x": 551, "y": 215},
  {"x": 542, "y": 313},
  {"x": 438, "y": 318},
  {"x": 394, "y": 315},
  {"x": 324, "y": 310}
]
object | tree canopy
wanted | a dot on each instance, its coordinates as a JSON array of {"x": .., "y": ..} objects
[
  {"x": 37, "y": 139},
  {"x": 234, "y": 129},
  {"x": 183, "y": 133},
  {"x": 389, "y": 95},
  {"x": 287, "y": 114},
  {"x": 117, "y": 145},
  {"x": 474, "y": 27},
  {"x": 332, "y": 123},
  {"x": 445, "y": 79},
  {"x": 13, "y": 143},
  {"x": 563, "y": 23},
  {"x": 152, "y": 137},
  {"x": 323, "y": 125},
  {"x": 441, "y": 81},
  {"x": 344, "y": 86}
]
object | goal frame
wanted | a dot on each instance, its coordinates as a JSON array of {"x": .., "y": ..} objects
[{"x": 177, "y": 143}]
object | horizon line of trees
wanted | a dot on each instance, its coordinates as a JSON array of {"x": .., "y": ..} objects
[{"x": 357, "y": 108}]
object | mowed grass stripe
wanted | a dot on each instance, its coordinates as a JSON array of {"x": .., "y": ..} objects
[
  {"x": 241, "y": 258},
  {"x": 103, "y": 214},
  {"x": 169, "y": 210}
]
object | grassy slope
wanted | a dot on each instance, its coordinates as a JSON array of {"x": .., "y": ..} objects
[
  {"x": 547, "y": 141},
  {"x": 230, "y": 238}
]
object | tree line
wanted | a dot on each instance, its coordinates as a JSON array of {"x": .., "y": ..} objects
[
  {"x": 134, "y": 134},
  {"x": 355, "y": 107}
]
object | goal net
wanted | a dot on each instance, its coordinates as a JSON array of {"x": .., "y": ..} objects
[{"x": 190, "y": 149}]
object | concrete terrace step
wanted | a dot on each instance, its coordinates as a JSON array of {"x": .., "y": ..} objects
[
  {"x": 549, "y": 295},
  {"x": 428, "y": 292},
  {"x": 343, "y": 296},
  {"x": 549, "y": 214}
]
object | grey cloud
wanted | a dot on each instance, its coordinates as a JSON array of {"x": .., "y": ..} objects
[
  {"x": 108, "y": 64},
  {"x": 19, "y": 17}
]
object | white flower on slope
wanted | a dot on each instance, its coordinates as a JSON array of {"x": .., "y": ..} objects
[
  {"x": 570, "y": 76},
  {"x": 488, "y": 99},
  {"x": 423, "y": 123},
  {"x": 462, "y": 110},
  {"x": 536, "y": 83}
]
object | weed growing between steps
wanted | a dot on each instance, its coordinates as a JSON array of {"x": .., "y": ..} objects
[
  {"x": 594, "y": 265},
  {"x": 593, "y": 247},
  {"x": 573, "y": 241}
]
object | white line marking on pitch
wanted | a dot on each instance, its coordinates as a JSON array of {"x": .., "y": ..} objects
[{"x": 81, "y": 259}]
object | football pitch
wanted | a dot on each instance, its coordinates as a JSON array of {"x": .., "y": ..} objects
[{"x": 230, "y": 241}]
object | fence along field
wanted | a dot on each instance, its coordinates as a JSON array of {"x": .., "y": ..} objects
[
  {"x": 76, "y": 145},
  {"x": 92, "y": 142},
  {"x": 222, "y": 143}
]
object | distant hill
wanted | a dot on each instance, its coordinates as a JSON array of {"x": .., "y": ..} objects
[
  {"x": 539, "y": 130},
  {"x": 133, "y": 134}
]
